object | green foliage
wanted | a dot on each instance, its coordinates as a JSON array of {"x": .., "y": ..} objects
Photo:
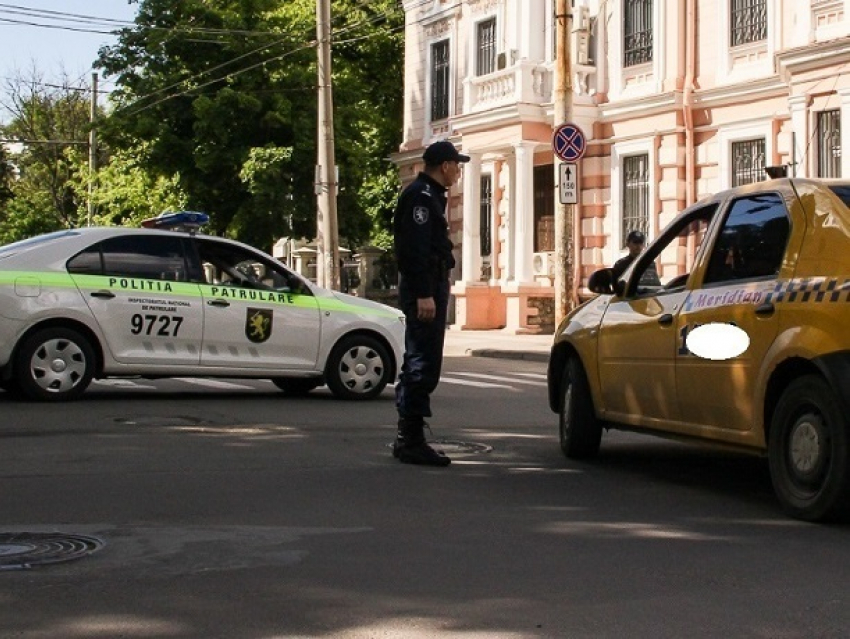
[
  {"x": 124, "y": 194},
  {"x": 221, "y": 93},
  {"x": 49, "y": 123}
]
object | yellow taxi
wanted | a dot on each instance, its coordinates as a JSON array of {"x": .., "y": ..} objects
[{"x": 765, "y": 266}]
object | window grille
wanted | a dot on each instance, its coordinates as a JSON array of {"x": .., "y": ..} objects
[
  {"x": 635, "y": 195},
  {"x": 486, "y": 60},
  {"x": 747, "y": 162},
  {"x": 440, "y": 80},
  {"x": 486, "y": 221},
  {"x": 637, "y": 44},
  {"x": 829, "y": 144},
  {"x": 749, "y": 21}
]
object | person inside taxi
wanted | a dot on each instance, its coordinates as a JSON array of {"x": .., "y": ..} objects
[{"x": 635, "y": 242}]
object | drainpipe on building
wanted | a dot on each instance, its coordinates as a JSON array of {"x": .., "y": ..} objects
[
  {"x": 688, "y": 101},
  {"x": 688, "y": 113}
]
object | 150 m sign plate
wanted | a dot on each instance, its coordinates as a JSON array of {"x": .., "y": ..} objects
[{"x": 568, "y": 183}]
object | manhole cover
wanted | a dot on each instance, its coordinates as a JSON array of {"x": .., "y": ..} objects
[
  {"x": 451, "y": 447},
  {"x": 25, "y": 550}
]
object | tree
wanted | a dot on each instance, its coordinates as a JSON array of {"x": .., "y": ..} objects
[
  {"x": 222, "y": 94},
  {"x": 47, "y": 121}
]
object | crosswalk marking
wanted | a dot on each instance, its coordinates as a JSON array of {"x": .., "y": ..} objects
[
  {"x": 122, "y": 383},
  {"x": 499, "y": 378},
  {"x": 469, "y": 382},
  {"x": 215, "y": 383},
  {"x": 533, "y": 375}
]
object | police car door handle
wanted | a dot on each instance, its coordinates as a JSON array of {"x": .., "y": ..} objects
[
  {"x": 221, "y": 303},
  {"x": 765, "y": 309},
  {"x": 666, "y": 319},
  {"x": 103, "y": 294}
]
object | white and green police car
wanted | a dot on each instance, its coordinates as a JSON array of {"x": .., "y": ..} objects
[{"x": 91, "y": 303}]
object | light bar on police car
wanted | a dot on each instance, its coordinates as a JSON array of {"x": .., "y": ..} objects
[{"x": 180, "y": 219}]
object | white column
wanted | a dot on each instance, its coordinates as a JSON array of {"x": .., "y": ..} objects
[
  {"x": 844, "y": 123},
  {"x": 798, "y": 105},
  {"x": 523, "y": 212},
  {"x": 471, "y": 261}
]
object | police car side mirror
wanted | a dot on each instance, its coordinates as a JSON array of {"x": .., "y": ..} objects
[{"x": 601, "y": 281}]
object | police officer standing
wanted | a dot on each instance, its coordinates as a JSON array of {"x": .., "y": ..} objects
[{"x": 424, "y": 253}]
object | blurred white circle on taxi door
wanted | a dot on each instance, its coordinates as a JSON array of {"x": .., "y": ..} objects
[{"x": 717, "y": 341}]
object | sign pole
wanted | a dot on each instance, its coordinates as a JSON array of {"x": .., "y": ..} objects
[{"x": 563, "y": 96}]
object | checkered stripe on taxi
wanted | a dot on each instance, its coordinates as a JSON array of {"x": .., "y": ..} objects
[{"x": 810, "y": 289}]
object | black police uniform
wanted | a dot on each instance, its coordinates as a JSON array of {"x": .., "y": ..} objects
[{"x": 424, "y": 253}]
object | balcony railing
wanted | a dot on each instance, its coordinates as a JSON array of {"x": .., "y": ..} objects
[{"x": 524, "y": 82}]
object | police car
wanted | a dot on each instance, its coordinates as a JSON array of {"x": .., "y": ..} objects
[
  {"x": 89, "y": 303},
  {"x": 744, "y": 340}
]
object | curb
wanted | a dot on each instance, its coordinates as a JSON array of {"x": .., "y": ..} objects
[{"x": 502, "y": 354}]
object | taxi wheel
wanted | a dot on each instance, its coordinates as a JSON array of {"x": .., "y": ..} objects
[
  {"x": 295, "y": 386},
  {"x": 580, "y": 431},
  {"x": 358, "y": 368},
  {"x": 54, "y": 364},
  {"x": 808, "y": 451}
]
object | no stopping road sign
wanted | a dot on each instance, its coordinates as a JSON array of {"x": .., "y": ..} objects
[{"x": 569, "y": 142}]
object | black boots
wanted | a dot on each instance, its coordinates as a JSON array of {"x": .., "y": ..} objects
[{"x": 410, "y": 446}]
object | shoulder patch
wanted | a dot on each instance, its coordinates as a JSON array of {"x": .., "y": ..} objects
[{"x": 420, "y": 214}]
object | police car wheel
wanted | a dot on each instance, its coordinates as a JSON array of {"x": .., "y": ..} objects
[
  {"x": 54, "y": 364},
  {"x": 808, "y": 451},
  {"x": 580, "y": 432},
  {"x": 295, "y": 386},
  {"x": 358, "y": 368}
]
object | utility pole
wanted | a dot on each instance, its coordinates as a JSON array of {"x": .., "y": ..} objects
[
  {"x": 92, "y": 147},
  {"x": 564, "y": 224},
  {"x": 327, "y": 267}
]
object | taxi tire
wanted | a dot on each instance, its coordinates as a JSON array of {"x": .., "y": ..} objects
[
  {"x": 809, "y": 424},
  {"x": 362, "y": 348},
  {"x": 69, "y": 345},
  {"x": 579, "y": 431},
  {"x": 295, "y": 386}
]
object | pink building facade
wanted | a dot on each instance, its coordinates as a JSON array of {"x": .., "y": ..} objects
[{"x": 677, "y": 100}]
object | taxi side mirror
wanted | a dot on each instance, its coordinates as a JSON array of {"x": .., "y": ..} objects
[{"x": 601, "y": 281}]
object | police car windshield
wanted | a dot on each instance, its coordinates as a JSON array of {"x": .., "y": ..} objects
[
  {"x": 842, "y": 192},
  {"x": 21, "y": 245}
]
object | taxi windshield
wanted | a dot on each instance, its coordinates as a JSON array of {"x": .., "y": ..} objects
[{"x": 843, "y": 192}]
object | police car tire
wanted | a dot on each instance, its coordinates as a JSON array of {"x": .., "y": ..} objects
[
  {"x": 580, "y": 432},
  {"x": 363, "y": 349},
  {"x": 64, "y": 345},
  {"x": 295, "y": 386},
  {"x": 809, "y": 424}
]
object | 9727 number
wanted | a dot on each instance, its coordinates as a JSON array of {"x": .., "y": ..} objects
[{"x": 160, "y": 325}]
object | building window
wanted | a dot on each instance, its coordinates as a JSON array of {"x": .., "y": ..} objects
[
  {"x": 486, "y": 218},
  {"x": 747, "y": 162},
  {"x": 637, "y": 43},
  {"x": 635, "y": 195},
  {"x": 486, "y": 53},
  {"x": 749, "y": 21},
  {"x": 440, "y": 80},
  {"x": 544, "y": 208},
  {"x": 829, "y": 144}
]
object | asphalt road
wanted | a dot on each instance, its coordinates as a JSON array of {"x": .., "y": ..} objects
[{"x": 233, "y": 511}]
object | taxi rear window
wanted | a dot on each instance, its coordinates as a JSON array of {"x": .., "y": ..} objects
[{"x": 842, "y": 192}]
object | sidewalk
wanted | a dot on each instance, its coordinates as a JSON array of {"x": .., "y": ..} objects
[{"x": 497, "y": 343}]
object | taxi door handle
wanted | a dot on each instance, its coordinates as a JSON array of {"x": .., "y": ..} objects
[
  {"x": 221, "y": 303},
  {"x": 104, "y": 295},
  {"x": 666, "y": 319},
  {"x": 765, "y": 309}
]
